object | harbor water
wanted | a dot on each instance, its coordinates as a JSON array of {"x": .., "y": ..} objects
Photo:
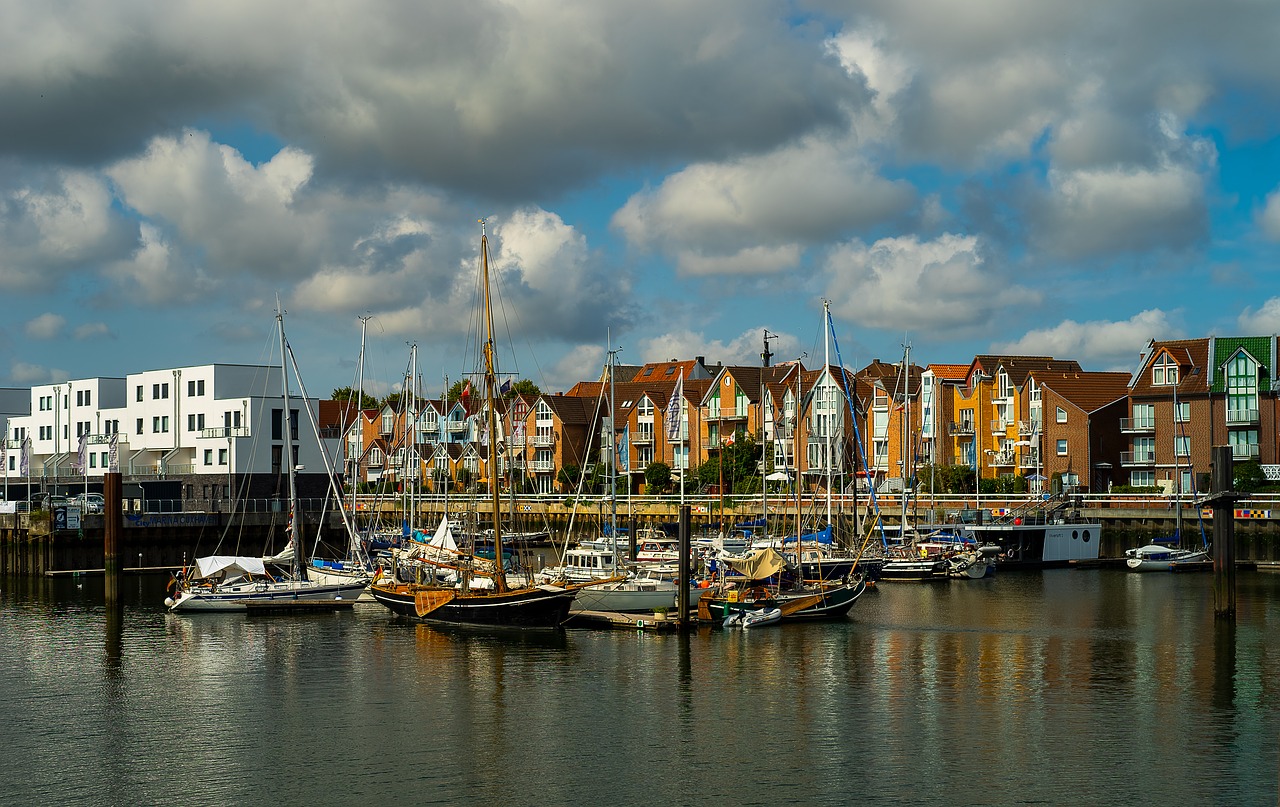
[{"x": 1058, "y": 687}]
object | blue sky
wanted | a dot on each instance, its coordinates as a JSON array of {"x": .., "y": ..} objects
[{"x": 1061, "y": 178}]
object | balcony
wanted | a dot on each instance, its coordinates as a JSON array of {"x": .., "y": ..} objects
[
  {"x": 641, "y": 438},
  {"x": 1146, "y": 456},
  {"x": 728, "y": 414},
  {"x": 543, "y": 466},
  {"x": 225, "y": 432},
  {"x": 1137, "y": 425},
  {"x": 1003, "y": 459},
  {"x": 1244, "y": 451},
  {"x": 962, "y": 429},
  {"x": 1242, "y": 417},
  {"x": 456, "y": 426},
  {"x": 543, "y": 440},
  {"x": 1000, "y": 426},
  {"x": 518, "y": 463},
  {"x": 1026, "y": 428}
]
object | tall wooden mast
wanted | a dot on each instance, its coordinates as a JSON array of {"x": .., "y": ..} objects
[{"x": 491, "y": 396}]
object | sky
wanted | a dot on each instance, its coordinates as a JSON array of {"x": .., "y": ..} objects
[{"x": 670, "y": 179}]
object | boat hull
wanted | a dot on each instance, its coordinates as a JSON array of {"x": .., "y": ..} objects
[
  {"x": 543, "y": 607},
  {"x": 234, "y": 597},
  {"x": 914, "y": 570},
  {"x": 834, "y": 602},
  {"x": 332, "y": 576},
  {"x": 620, "y": 598},
  {"x": 1035, "y": 546}
]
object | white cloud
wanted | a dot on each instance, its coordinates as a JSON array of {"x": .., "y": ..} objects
[
  {"x": 1263, "y": 320},
  {"x": 155, "y": 274},
  {"x": 744, "y": 349},
  {"x": 709, "y": 215},
  {"x": 45, "y": 326},
  {"x": 1269, "y": 217},
  {"x": 1114, "y": 344},
  {"x": 92, "y": 330},
  {"x": 904, "y": 284},
  {"x": 26, "y": 373}
]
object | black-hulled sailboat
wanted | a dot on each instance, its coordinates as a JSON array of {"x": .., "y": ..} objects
[{"x": 483, "y": 597}]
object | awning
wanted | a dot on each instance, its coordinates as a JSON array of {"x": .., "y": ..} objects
[
  {"x": 758, "y": 564},
  {"x": 229, "y": 564}
]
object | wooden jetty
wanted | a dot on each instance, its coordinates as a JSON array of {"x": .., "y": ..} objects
[{"x": 613, "y": 620}]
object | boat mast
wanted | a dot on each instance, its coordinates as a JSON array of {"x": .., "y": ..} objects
[
  {"x": 294, "y": 532},
  {"x": 613, "y": 462},
  {"x": 830, "y": 393},
  {"x": 490, "y": 394},
  {"x": 359, "y": 420},
  {"x": 411, "y": 454},
  {"x": 1177, "y": 468},
  {"x": 905, "y": 431}
]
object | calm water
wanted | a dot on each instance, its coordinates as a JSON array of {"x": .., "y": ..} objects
[{"x": 1067, "y": 687}]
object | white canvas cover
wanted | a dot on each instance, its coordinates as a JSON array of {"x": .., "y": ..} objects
[
  {"x": 230, "y": 564},
  {"x": 284, "y": 556},
  {"x": 443, "y": 539}
]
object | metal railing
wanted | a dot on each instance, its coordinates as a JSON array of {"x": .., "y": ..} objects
[
  {"x": 962, "y": 428},
  {"x": 1244, "y": 451},
  {"x": 1140, "y": 457},
  {"x": 1239, "y": 417},
  {"x": 1131, "y": 425}
]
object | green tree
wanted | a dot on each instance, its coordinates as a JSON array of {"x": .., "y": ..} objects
[
  {"x": 568, "y": 478},
  {"x": 344, "y": 394},
  {"x": 523, "y": 387},
  {"x": 1249, "y": 476},
  {"x": 657, "y": 477}
]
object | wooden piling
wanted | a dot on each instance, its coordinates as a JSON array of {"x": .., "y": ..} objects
[
  {"x": 682, "y": 581},
  {"x": 113, "y": 524},
  {"x": 1222, "y": 499}
]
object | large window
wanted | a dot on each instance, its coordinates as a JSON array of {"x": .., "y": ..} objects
[
  {"x": 1142, "y": 479},
  {"x": 1062, "y": 448},
  {"x": 1144, "y": 416},
  {"x": 1242, "y": 388}
]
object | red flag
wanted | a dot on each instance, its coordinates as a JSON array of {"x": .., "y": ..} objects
[{"x": 466, "y": 397}]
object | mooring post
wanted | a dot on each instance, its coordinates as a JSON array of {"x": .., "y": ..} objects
[
  {"x": 1222, "y": 499},
  {"x": 112, "y": 525},
  {"x": 631, "y": 538},
  {"x": 682, "y": 578}
]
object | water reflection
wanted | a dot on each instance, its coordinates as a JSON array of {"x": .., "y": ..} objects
[{"x": 1062, "y": 687}]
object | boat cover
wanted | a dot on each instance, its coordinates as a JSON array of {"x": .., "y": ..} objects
[
  {"x": 230, "y": 564},
  {"x": 758, "y": 564}
]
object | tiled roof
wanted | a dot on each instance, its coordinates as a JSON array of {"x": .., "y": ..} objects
[
  {"x": 1259, "y": 347},
  {"x": 1192, "y": 357},
  {"x": 1019, "y": 367},
  {"x": 950, "y": 372},
  {"x": 1089, "y": 391}
]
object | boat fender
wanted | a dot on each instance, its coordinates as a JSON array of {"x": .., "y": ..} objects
[{"x": 168, "y": 602}]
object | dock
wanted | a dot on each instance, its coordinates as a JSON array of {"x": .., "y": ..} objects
[
  {"x": 614, "y": 620},
  {"x": 269, "y": 607}
]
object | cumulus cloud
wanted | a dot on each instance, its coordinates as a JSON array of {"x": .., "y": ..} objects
[
  {"x": 756, "y": 214},
  {"x": 1269, "y": 217},
  {"x": 52, "y": 223},
  {"x": 905, "y": 284},
  {"x": 45, "y": 326},
  {"x": 743, "y": 349},
  {"x": 1265, "y": 319},
  {"x": 26, "y": 373},
  {"x": 1112, "y": 344}
]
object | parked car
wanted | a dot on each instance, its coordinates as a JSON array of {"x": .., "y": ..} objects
[{"x": 90, "y": 503}]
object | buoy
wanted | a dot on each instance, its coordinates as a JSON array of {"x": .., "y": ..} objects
[{"x": 168, "y": 602}]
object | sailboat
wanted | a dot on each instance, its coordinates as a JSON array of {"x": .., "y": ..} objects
[
  {"x": 233, "y": 583},
  {"x": 483, "y": 595},
  {"x": 603, "y": 584}
]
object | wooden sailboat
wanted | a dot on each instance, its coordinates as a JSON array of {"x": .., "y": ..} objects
[{"x": 482, "y": 596}]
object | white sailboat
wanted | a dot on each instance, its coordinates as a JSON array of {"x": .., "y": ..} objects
[{"x": 233, "y": 583}]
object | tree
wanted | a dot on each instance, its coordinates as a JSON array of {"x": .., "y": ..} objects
[
  {"x": 523, "y": 387},
  {"x": 344, "y": 394},
  {"x": 393, "y": 399},
  {"x": 568, "y": 478},
  {"x": 657, "y": 477},
  {"x": 1249, "y": 476}
]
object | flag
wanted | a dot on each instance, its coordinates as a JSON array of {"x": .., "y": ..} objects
[
  {"x": 624, "y": 451},
  {"x": 25, "y": 461},
  {"x": 81, "y": 451},
  {"x": 466, "y": 397},
  {"x": 672, "y": 416},
  {"x": 505, "y": 388},
  {"x": 732, "y": 436},
  {"x": 113, "y": 464},
  {"x": 4, "y": 454}
]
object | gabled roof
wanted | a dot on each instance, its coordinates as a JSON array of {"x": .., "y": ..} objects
[
  {"x": 1018, "y": 367},
  {"x": 1261, "y": 348},
  {"x": 571, "y": 409},
  {"x": 949, "y": 372},
  {"x": 1192, "y": 358},
  {"x": 1090, "y": 391},
  {"x": 664, "y": 370}
]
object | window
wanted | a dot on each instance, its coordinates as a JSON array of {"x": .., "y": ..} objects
[
  {"x": 1182, "y": 446},
  {"x": 1165, "y": 372},
  {"x": 1062, "y": 448},
  {"x": 1242, "y": 389},
  {"x": 155, "y": 392},
  {"x": 93, "y": 459},
  {"x": 1182, "y": 412},
  {"x": 139, "y": 430},
  {"x": 222, "y": 456},
  {"x": 208, "y": 456},
  {"x": 195, "y": 388},
  {"x": 155, "y": 425},
  {"x": 191, "y": 423},
  {"x": 106, "y": 456},
  {"x": 1062, "y": 415},
  {"x": 1144, "y": 416},
  {"x": 139, "y": 397}
]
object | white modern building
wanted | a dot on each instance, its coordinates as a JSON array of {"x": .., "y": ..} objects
[{"x": 215, "y": 431}]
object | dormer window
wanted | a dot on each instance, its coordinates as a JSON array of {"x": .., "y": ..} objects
[{"x": 1165, "y": 372}]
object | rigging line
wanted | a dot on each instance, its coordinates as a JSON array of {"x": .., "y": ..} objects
[{"x": 857, "y": 434}]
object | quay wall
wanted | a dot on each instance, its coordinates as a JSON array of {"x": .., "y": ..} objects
[{"x": 155, "y": 541}]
